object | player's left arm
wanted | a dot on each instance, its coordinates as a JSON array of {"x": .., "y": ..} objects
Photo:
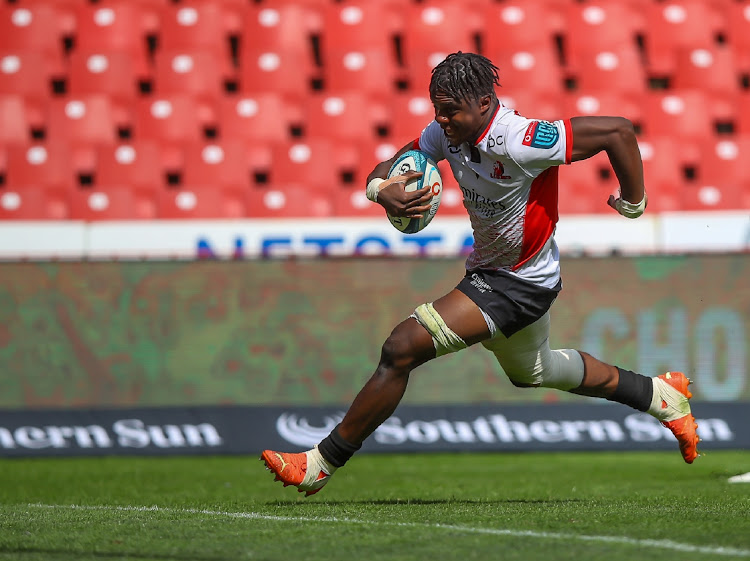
[{"x": 616, "y": 136}]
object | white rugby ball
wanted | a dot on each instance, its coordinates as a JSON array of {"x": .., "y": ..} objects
[{"x": 416, "y": 160}]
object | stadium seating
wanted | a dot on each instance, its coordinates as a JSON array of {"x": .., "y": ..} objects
[{"x": 124, "y": 97}]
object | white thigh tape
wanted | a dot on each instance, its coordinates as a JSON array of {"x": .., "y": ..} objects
[{"x": 444, "y": 338}]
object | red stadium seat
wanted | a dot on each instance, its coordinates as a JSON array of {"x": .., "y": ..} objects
[
  {"x": 28, "y": 74},
  {"x": 294, "y": 201},
  {"x": 592, "y": 28},
  {"x": 679, "y": 113},
  {"x": 306, "y": 163},
  {"x": 679, "y": 24},
  {"x": 113, "y": 202},
  {"x": 216, "y": 164},
  {"x": 33, "y": 27},
  {"x": 269, "y": 70},
  {"x": 737, "y": 17},
  {"x": 707, "y": 68},
  {"x": 360, "y": 24},
  {"x": 169, "y": 119},
  {"x": 38, "y": 164},
  {"x": 743, "y": 113},
  {"x": 411, "y": 113},
  {"x": 112, "y": 73},
  {"x": 115, "y": 26},
  {"x": 533, "y": 68},
  {"x": 188, "y": 71},
  {"x": 285, "y": 27},
  {"x": 619, "y": 70},
  {"x": 431, "y": 33},
  {"x": 82, "y": 120},
  {"x": 521, "y": 25},
  {"x": 585, "y": 186},
  {"x": 370, "y": 71},
  {"x": 721, "y": 174},
  {"x": 138, "y": 164},
  {"x": 665, "y": 160},
  {"x": 256, "y": 117},
  {"x": 195, "y": 25},
  {"x": 345, "y": 116},
  {"x": 202, "y": 201},
  {"x": 15, "y": 128},
  {"x": 604, "y": 103},
  {"x": 35, "y": 202},
  {"x": 534, "y": 104}
]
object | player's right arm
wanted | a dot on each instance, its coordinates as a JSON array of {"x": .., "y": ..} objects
[{"x": 391, "y": 194}]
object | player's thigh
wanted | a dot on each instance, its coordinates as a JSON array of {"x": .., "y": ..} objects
[
  {"x": 463, "y": 316},
  {"x": 527, "y": 351}
]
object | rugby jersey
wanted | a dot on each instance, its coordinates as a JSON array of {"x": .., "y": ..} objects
[{"x": 509, "y": 185}]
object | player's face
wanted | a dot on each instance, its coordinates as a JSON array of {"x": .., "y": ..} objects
[{"x": 461, "y": 120}]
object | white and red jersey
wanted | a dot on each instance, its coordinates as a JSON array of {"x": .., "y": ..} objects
[{"x": 509, "y": 184}]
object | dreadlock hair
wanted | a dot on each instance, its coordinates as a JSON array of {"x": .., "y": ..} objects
[{"x": 466, "y": 76}]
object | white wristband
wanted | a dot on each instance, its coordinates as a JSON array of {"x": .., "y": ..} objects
[
  {"x": 372, "y": 189},
  {"x": 631, "y": 210}
]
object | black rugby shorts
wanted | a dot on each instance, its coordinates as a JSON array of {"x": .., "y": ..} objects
[{"x": 511, "y": 302}]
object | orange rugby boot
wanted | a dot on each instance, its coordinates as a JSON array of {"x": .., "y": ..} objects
[
  {"x": 671, "y": 406},
  {"x": 307, "y": 471}
]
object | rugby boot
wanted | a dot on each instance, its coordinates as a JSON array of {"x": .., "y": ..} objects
[
  {"x": 307, "y": 471},
  {"x": 671, "y": 406}
]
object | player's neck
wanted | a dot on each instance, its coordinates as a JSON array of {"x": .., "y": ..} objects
[{"x": 485, "y": 122}]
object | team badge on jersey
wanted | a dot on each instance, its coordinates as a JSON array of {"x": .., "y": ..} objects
[{"x": 541, "y": 134}]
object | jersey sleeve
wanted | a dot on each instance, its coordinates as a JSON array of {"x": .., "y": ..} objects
[
  {"x": 432, "y": 142},
  {"x": 536, "y": 145}
]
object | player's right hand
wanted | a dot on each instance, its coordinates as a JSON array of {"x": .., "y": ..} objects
[{"x": 398, "y": 202}]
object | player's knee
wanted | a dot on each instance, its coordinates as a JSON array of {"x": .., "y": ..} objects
[{"x": 399, "y": 352}]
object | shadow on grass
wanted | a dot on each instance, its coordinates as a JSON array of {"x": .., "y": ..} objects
[
  {"x": 50, "y": 553},
  {"x": 412, "y": 502}
]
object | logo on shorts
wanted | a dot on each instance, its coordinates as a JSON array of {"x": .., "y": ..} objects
[
  {"x": 479, "y": 283},
  {"x": 541, "y": 134}
]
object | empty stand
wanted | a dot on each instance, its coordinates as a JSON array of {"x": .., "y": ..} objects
[
  {"x": 137, "y": 163},
  {"x": 294, "y": 201},
  {"x": 37, "y": 165},
  {"x": 270, "y": 70},
  {"x": 710, "y": 69},
  {"x": 617, "y": 69},
  {"x": 431, "y": 33},
  {"x": 216, "y": 163},
  {"x": 82, "y": 120},
  {"x": 34, "y": 202},
  {"x": 669, "y": 26},
  {"x": 112, "y": 73},
  {"x": 536, "y": 68},
  {"x": 113, "y": 202},
  {"x": 682, "y": 114},
  {"x": 737, "y": 18},
  {"x": 15, "y": 127},
  {"x": 189, "y": 71},
  {"x": 201, "y": 201},
  {"x": 253, "y": 117},
  {"x": 523, "y": 24},
  {"x": 307, "y": 162},
  {"x": 345, "y": 116},
  {"x": 534, "y": 104},
  {"x": 596, "y": 27},
  {"x": 371, "y": 71},
  {"x": 33, "y": 27},
  {"x": 29, "y": 74},
  {"x": 170, "y": 119}
]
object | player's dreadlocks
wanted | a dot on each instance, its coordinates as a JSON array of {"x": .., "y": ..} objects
[{"x": 466, "y": 76}]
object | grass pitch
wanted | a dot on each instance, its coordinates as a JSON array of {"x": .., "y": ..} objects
[{"x": 582, "y": 506}]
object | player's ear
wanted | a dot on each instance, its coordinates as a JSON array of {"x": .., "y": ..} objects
[{"x": 485, "y": 103}]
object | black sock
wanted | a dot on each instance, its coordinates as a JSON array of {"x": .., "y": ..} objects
[
  {"x": 335, "y": 449},
  {"x": 635, "y": 390}
]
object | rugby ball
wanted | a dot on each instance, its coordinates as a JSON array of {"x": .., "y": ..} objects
[{"x": 417, "y": 160}]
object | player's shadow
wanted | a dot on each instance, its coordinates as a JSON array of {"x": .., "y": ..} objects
[{"x": 412, "y": 502}]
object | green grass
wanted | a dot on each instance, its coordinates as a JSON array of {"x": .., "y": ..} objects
[{"x": 578, "y": 506}]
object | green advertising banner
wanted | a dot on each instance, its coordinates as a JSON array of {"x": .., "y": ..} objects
[{"x": 308, "y": 332}]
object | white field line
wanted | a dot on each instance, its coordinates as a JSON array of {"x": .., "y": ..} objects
[{"x": 619, "y": 540}]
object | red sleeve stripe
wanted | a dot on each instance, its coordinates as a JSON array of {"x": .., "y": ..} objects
[
  {"x": 415, "y": 144},
  {"x": 568, "y": 141}
]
